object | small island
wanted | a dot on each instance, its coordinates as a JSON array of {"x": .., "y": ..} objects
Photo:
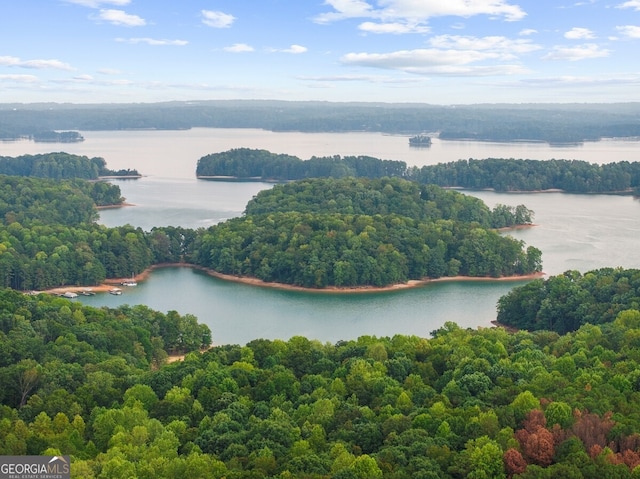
[
  {"x": 50, "y": 136},
  {"x": 420, "y": 141}
]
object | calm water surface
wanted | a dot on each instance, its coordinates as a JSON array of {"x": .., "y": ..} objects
[{"x": 580, "y": 232}]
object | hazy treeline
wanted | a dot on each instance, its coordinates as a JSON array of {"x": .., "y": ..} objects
[
  {"x": 57, "y": 137},
  {"x": 565, "y": 302},
  {"x": 501, "y": 174},
  {"x": 59, "y": 166},
  {"x": 540, "y": 122},
  {"x": 497, "y": 173}
]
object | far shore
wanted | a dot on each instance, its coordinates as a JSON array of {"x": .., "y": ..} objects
[{"x": 109, "y": 284}]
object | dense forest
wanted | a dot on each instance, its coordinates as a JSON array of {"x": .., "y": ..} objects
[
  {"x": 571, "y": 176},
  {"x": 333, "y": 249},
  {"x": 93, "y": 384},
  {"x": 59, "y": 166},
  {"x": 66, "y": 202},
  {"x": 356, "y": 232},
  {"x": 385, "y": 196},
  {"x": 555, "y": 123},
  {"x": 500, "y": 174},
  {"x": 567, "y": 301},
  {"x": 96, "y": 384},
  {"x": 49, "y": 238},
  {"x": 246, "y": 163}
]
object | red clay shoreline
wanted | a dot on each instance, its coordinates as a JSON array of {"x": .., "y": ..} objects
[{"x": 114, "y": 282}]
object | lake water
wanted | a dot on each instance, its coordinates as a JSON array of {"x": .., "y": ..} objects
[{"x": 580, "y": 232}]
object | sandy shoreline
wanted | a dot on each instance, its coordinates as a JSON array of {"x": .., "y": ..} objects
[
  {"x": 108, "y": 207},
  {"x": 109, "y": 284},
  {"x": 413, "y": 283}
]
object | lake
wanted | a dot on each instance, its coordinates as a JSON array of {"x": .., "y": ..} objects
[{"x": 581, "y": 232}]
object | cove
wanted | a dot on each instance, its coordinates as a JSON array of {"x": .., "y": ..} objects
[{"x": 238, "y": 313}]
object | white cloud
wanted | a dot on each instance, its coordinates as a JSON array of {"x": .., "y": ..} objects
[
  {"x": 120, "y": 17},
  {"x": 217, "y": 19},
  {"x": 573, "y": 81},
  {"x": 502, "y": 46},
  {"x": 239, "y": 48},
  {"x": 630, "y": 4},
  {"x": 83, "y": 78},
  {"x": 419, "y": 11},
  {"x": 629, "y": 31},
  {"x": 36, "y": 64},
  {"x": 153, "y": 41},
  {"x": 346, "y": 9},
  {"x": 99, "y": 3},
  {"x": 582, "y": 52},
  {"x": 392, "y": 27},
  {"x": 452, "y": 55},
  {"x": 109, "y": 71},
  {"x": 9, "y": 61},
  {"x": 19, "y": 78},
  {"x": 46, "y": 65},
  {"x": 578, "y": 33},
  {"x": 295, "y": 49},
  {"x": 361, "y": 78},
  {"x": 527, "y": 31},
  {"x": 433, "y": 61}
]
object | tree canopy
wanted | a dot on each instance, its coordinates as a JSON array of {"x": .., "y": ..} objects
[
  {"x": 94, "y": 384},
  {"x": 59, "y": 166},
  {"x": 565, "y": 302},
  {"x": 358, "y": 232},
  {"x": 384, "y": 196}
]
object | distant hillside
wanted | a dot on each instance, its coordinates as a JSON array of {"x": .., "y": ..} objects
[{"x": 555, "y": 123}]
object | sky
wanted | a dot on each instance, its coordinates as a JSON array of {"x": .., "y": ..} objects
[{"x": 419, "y": 51}]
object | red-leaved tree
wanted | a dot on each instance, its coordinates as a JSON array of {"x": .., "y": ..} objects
[
  {"x": 514, "y": 463},
  {"x": 536, "y": 441}
]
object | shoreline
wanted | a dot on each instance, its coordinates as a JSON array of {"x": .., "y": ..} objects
[
  {"x": 119, "y": 205},
  {"x": 111, "y": 283},
  {"x": 412, "y": 283}
]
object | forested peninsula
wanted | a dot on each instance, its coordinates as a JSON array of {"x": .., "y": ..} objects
[
  {"x": 359, "y": 232},
  {"x": 499, "y": 174},
  {"x": 565, "y": 302},
  {"x": 60, "y": 165}
]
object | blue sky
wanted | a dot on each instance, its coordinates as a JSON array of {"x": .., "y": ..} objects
[{"x": 426, "y": 51}]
